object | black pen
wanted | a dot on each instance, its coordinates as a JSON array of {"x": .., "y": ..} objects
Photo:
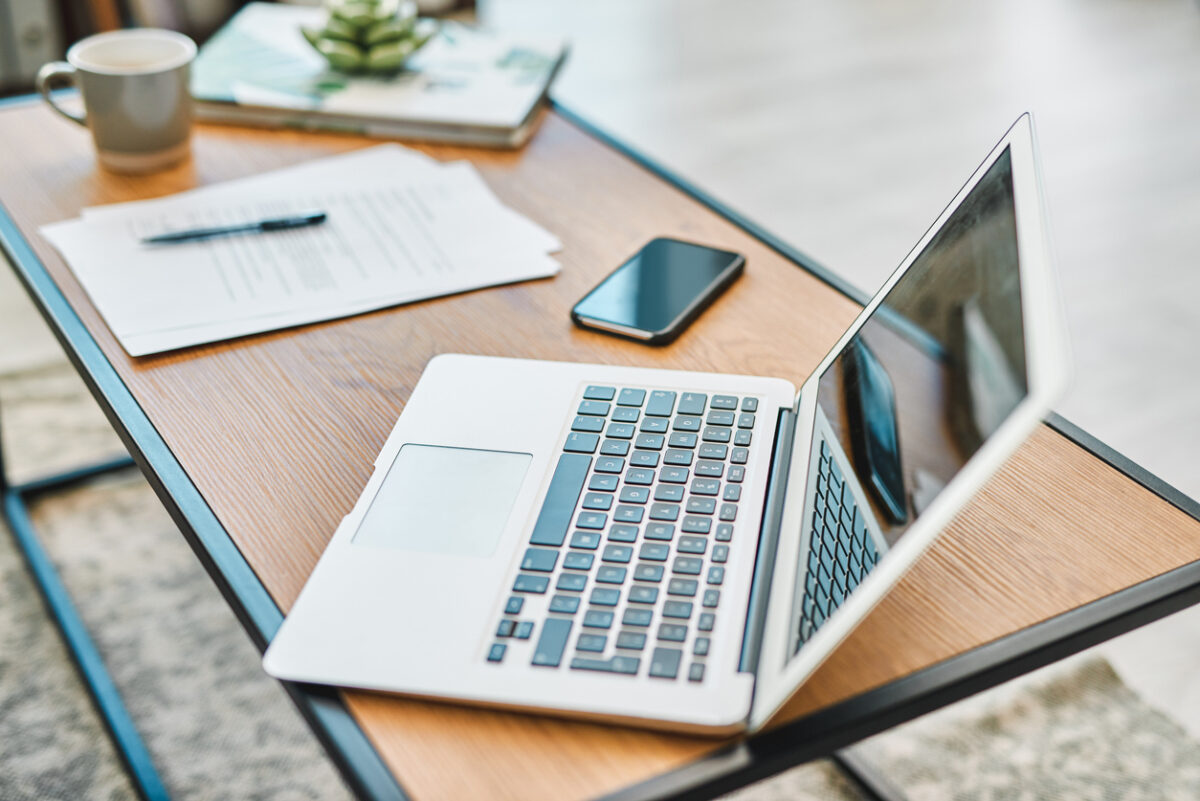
[{"x": 275, "y": 224}]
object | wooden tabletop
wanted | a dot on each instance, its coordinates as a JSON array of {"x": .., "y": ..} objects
[{"x": 279, "y": 431}]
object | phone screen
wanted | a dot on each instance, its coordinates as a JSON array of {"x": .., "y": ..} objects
[{"x": 656, "y": 287}]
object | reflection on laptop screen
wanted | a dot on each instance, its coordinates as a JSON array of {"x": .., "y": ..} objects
[{"x": 934, "y": 371}]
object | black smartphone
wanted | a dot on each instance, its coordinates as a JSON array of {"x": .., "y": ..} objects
[
  {"x": 871, "y": 406},
  {"x": 655, "y": 294}
]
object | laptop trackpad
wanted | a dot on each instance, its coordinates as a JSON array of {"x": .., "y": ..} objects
[{"x": 444, "y": 500}]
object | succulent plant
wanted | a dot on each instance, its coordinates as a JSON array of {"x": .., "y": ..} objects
[{"x": 370, "y": 35}]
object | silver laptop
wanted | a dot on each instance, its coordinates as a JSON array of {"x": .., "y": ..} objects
[{"x": 677, "y": 549}]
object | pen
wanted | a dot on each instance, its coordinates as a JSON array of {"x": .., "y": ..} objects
[{"x": 274, "y": 224}]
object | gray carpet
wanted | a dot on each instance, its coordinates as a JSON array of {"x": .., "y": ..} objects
[{"x": 219, "y": 729}]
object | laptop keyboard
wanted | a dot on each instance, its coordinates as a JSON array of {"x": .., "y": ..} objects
[
  {"x": 632, "y": 539},
  {"x": 841, "y": 550}
]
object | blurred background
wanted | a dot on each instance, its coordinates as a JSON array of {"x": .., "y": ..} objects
[{"x": 843, "y": 128}]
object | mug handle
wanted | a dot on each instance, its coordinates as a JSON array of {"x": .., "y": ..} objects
[{"x": 57, "y": 72}]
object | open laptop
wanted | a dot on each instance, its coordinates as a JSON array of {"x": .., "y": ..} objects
[{"x": 679, "y": 549}]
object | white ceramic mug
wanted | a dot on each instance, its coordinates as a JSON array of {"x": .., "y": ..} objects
[{"x": 135, "y": 95}]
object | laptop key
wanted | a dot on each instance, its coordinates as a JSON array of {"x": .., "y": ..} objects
[
  {"x": 541, "y": 560},
  {"x": 742, "y": 437},
  {"x": 565, "y": 486},
  {"x": 591, "y": 642},
  {"x": 687, "y": 423},
  {"x": 715, "y": 434},
  {"x": 728, "y": 512},
  {"x": 733, "y": 493},
  {"x": 617, "y": 553},
  {"x": 685, "y": 587},
  {"x": 693, "y": 544},
  {"x": 594, "y": 408},
  {"x": 740, "y": 455},
  {"x": 713, "y": 450},
  {"x": 642, "y": 595},
  {"x": 622, "y": 665},
  {"x": 592, "y": 425},
  {"x": 635, "y": 494},
  {"x": 661, "y": 404},
  {"x": 592, "y": 520},
  {"x": 706, "y": 486},
  {"x": 709, "y": 469},
  {"x": 524, "y": 630},
  {"x": 664, "y": 511},
  {"x": 631, "y": 397},
  {"x": 720, "y": 553},
  {"x": 674, "y": 475},
  {"x": 564, "y": 604},
  {"x": 533, "y": 584},
  {"x": 696, "y": 671},
  {"x": 572, "y": 582},
  {"x": 716, "y": 575},
  {"x": 736, "y": 474},
  {"x": 614, "y": 447},
  {"x": 628, "y": 514},
  {"x": 651, "y": 442},
  {"x": 639, "y": 475},
  {"x": 678, "y": 457},
  {"x": 599, "y": 393},
  {"x": 588, "y": 540},
  {"x": 677, "y": 609},
  {"x": 745, "y": 420},
  {"x": 719, "y": 418},
  {"x": 692, "y": 403},
  {"x": 610, "y": 574},
  {"x": 711, "y": 599},
  {"x": 601, "y": 483},
  {"x": 664, "y": 663},
  {"x": 701, "y": 506},
  {"x": 645, "y": 572},
  {"x": 513, "y": 607},
  {"x": 578, "y": 560},
  {"x": 687, "y": 565},
  {"x": 682, "y": 439},
  {"x": 724, "y": 532},
  {"x": 655, "y": 425},
  {"x": 672, "y": 632},
  {"x": 633, "y": 640},
  {"x": 637, "y": 617},
  {"x": 549, "y": 649},
  {"x": 599, "y": 501},
  {"x": 668, "y": 492},
  {"x": 496, "y": 652},
  {"x": 609, "y": 464},
  {"x": 724, "y": 402},
  {"x": 655, "y": 551},
  {"x": 581, "y": 443},
  {"x": 644, "y": 459},
  {"x": 622, "y": 532},
  {"x": 706, "y": 622},
  {"x": 660, "y": 531},
  {"x": 626, "y": 414},
  {"x": 749, "y": 404},
  {"x": 695, "y": 524},
  {"x": 505, "y": 629},
  {"x": 597, "y": 619},
  {"x": 620, "y": 430},
  {"x": 700, "y": 646}
]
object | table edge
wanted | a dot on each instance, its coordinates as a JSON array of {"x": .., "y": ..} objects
[{"x": 725, "y": 769}]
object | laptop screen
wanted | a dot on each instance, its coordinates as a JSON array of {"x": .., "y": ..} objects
[{"x": 934, "y": 371}]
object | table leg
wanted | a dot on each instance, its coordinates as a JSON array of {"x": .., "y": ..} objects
[{"x": 87, "y": 658}]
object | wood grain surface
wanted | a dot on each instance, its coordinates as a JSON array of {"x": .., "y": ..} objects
[{"x": 278, "y": 432}]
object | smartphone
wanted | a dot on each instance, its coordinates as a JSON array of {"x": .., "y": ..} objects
[{"x": 654, "y": 295}]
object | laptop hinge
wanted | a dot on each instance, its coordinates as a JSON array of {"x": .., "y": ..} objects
[{"x": 768, "y": 539}]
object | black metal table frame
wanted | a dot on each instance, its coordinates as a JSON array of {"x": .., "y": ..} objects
[{"x": 819, "y": 734}]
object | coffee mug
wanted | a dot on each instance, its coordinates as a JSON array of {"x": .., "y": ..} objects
[{"x": 135, "y": 95}]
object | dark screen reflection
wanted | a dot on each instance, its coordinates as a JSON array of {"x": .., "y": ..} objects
[{"x": 934, "y": 371}]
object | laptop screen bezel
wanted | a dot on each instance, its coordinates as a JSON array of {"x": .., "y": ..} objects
[{"x": 780, "y": 673}]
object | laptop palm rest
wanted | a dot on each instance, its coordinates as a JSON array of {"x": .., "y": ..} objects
[{"x": 444, "y": 500}]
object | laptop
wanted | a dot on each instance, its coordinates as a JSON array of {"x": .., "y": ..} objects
[{"x": 682, "y": 550}]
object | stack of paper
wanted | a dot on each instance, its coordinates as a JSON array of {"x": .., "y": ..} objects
[{"x": 401, "y": 227}]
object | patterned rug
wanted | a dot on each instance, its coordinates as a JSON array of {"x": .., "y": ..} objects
[{"x": 218, "y": 728}]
